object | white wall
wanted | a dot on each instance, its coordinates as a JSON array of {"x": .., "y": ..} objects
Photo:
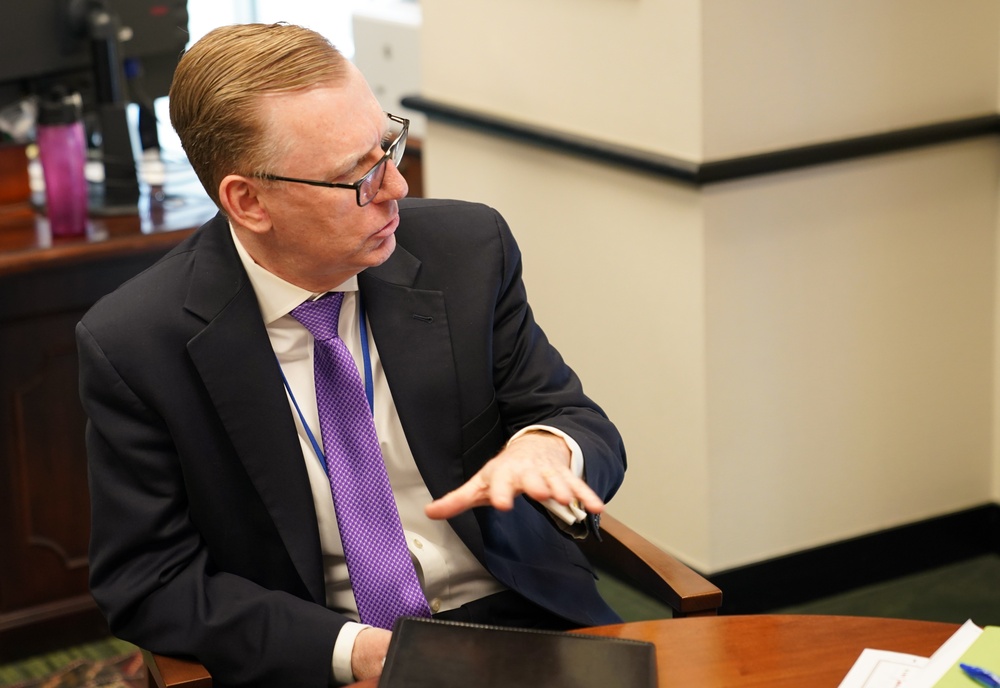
[{"x": 793, "y": 359}]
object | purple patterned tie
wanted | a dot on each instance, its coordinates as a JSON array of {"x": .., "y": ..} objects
[{"x": 382, "y": 575}]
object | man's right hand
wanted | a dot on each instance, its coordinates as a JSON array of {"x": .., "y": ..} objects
[{"x": 370, "y": 648}]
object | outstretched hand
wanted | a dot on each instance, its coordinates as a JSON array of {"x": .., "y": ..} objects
[{"x": 536, "y": 464}]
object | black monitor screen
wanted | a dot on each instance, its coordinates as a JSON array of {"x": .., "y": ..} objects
[
  {"x": 44, "y": 42},
  {"x": 112, "y": 52}
]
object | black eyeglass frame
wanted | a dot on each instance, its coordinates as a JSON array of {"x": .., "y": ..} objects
[{"x": 394, "y": 151}]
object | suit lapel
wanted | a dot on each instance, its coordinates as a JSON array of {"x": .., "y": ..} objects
[
  {"x": 236, "y": 362},
  {"x": 411, "y": 330}
]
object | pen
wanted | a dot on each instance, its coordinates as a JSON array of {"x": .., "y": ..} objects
[{"x": 981, "y": 676}]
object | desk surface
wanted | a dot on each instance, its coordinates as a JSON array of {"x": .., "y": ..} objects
[
  {"x": 769, "y": 651},
  {"x": 163, "y": 217}
]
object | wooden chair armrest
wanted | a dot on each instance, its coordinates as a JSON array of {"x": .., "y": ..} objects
[
  {"x": 167, "y": 672},
  {"x": 630, "y": 557}
]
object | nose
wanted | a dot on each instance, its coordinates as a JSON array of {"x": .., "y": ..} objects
[{"x": 394, "y": 186}]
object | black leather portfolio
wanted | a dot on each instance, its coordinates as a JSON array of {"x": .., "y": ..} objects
[{"x": 425, "y": 653}]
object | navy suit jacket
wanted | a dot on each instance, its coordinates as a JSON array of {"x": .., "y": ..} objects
[{"x": 204, "y": 535}]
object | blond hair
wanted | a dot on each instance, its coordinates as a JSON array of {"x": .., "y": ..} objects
[{"x": 217, "y": 87}]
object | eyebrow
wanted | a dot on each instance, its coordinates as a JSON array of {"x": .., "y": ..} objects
[
  {"x": 358, "y": 161},
  {"x": 346, "y": 167}
]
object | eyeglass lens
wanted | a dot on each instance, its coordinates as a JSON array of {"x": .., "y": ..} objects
[{"x": 372, "y": 183}]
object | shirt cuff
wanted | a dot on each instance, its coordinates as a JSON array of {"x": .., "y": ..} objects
[
  {"x": 343, "y": 650},
  {"x": 570, "y": 514}
]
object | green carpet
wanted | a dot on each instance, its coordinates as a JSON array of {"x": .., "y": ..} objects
[
  {"x": 966, "y": 590},
  {"x": 955, "y": 593},
  {"x": 631, "y": 604},
  {"x": 109, "y": 663}
]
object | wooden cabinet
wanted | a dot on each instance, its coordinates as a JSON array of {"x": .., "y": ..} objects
[{"x": 45, "y": 287}]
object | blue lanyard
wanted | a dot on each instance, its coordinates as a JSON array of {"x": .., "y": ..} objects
[{"x": 369, "y": 393}]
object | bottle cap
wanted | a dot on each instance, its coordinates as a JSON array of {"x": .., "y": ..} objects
[{"x": 59, "y": 107}]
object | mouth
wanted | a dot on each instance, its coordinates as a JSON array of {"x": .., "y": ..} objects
[{"x": 389, "y": 228}]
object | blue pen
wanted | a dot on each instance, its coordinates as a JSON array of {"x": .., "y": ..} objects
[{"x": 981, "y": 676}]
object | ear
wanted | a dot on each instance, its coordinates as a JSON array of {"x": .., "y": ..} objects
[{"x": 242, "y": 203}]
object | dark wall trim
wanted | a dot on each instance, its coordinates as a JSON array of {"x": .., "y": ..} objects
[
  {"x": 714, "y": 171},
  {"x": 843, "y": 566}
]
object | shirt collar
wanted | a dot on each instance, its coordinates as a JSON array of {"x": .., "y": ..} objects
[{"x": 275, "y": 296}]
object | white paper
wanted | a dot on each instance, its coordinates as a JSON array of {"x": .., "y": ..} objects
[
  {"x": 945, "y": 657},
  {"x": 882, "y": 669}
]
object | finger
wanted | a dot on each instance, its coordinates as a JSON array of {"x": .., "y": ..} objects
[
  {"x": 452, "y": 504},
  {"x": 559, "y": 485},
  {"x": 471, "y": 494},
  {"x": 587, "y": 498},
  {"x": 503, "y": 488},
  {"x": 535, "y": 486},
  {"x": 565, "y": 488},
  {"x": 544, "y": 483}
]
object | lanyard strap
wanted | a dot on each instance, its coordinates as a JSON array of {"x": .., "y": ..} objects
[
  {"x": 366, "y": 356},
  {"x": 312, "y": 438},
  {"x": 369, "y": 392}
]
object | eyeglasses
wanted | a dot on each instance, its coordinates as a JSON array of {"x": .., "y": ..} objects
[{"x": 366, "y": 188}]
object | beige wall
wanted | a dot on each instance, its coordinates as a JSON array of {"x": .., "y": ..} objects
[
  {"x": 996, "y": 363},
  {"x": 783, "y": 73},
  {"x": 793, "y": 359},
  {"x": 603, "y": 248},
  {"x": 574, "y": 64},
  {"x": 996, "y": 369},
  {"x": 710, "y": 79},
  {"x": 849, "y": 347}
]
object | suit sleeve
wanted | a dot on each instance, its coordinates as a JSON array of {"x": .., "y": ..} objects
[
  {"x": 535, "y": 385},
  {"x": 150, "y": 571}
]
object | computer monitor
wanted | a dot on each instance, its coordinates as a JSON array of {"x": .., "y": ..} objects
[{"x": 113, "y": 52}]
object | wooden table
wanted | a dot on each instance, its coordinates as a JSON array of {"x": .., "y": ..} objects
[{"x": 769, "y": 651}]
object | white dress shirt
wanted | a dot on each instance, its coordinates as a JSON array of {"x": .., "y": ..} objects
[{"x": 448, "y": 572}]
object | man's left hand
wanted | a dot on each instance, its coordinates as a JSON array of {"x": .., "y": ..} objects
[{"x": 536, "y": 464}]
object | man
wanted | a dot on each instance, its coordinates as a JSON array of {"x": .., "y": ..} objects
[{"x": 216, "y": 531}]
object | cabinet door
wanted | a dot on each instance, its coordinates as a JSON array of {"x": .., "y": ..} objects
[
  {"x": 45, "y": 528},
  {"x": 45, "y": 600}
]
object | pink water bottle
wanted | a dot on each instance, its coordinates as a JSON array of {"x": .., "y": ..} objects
[{"x": 62, "y": 151}]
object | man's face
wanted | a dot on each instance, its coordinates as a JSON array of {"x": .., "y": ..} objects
[{"x": 320, "y": 236}]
